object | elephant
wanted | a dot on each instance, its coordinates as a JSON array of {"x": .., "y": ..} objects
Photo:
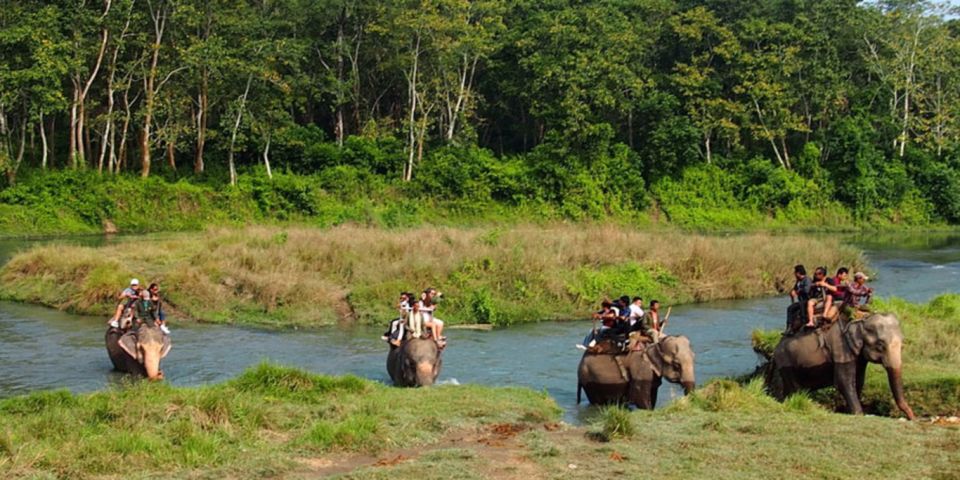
[
  {"x": 415, "y": 363},
  {"x": 637, "y": 375},
  {"x": 138, "y": 351},
  {"x": 839, "y": 355}
]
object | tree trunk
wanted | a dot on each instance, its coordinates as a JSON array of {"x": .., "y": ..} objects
[
  {"x": 466, "y": 83},
  {"x": 202, "y": 99},
  {"x": 236, "y": 127},
  {"x": 159, "y": 23},
  {"x": 82, "y": 136},
  {"x": 122, "y": 158},
  {"x": 339, "y": 127},
  {"x": 172, "y": 154},
  {"x": 412, "y": 91},
  {"x": 266, "y": 157},
  {"x": 43, "y": 140},
  {"x": 706, "y": 146},
  {"x": 72, "y": 145}
]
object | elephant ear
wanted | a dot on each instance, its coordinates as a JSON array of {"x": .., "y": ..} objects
[
  {"x": 167, "y": 345},
  {"x": 128, "y": 342},
  {"x": 854, "y": 337},
  {"x": 656, "y": 359}
]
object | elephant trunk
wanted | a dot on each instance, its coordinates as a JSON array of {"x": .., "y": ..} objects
[
  {"x": 151, "y": 363},
  {"x": 895, "y": 377},
  {"x": 425, "y": 374},
  {"x": 687, "y": 387}
]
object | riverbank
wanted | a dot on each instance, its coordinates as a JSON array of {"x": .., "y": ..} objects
[
  {"x": 931, "y": 353},
  {"x": 311, "y": 277},
  {"x": 285, "y": 423},
  {"x": 266, "y": 421}
]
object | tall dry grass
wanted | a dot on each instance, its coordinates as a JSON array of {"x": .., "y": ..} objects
[{"x": 309, "y": 277}]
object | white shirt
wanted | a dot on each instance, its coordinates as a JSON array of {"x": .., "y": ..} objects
[
  {"x": 427, "y": 312},
  {"x": 636, "y": 313}
]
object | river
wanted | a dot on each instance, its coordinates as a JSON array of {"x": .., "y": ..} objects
[{"x": 42, "y": 348}]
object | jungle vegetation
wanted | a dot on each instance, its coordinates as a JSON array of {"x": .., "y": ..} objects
[{"x": 702, "y": 113}]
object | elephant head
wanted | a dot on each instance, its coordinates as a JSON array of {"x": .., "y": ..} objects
[
  {"x": 673, "y": 359},
  {"x": 878, "y": 339},
  {"x": 416, "y": 363},
  {"x": 148, "y": 345}
]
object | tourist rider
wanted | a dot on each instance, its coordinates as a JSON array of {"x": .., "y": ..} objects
[
  {"x": 607, "y": 316},
  {"x": 839, "y": 284},
  {"x": 130, "y": 293},
  {"x": 820, "y": 296},
  {"x": 157, "y": 305},
  {"x": 143, "y": 311},
  {"x": 397, "y": 326},
  {"x": 623, "y": 305},
  {"x": 856, "y": 297},
  {"x": 799, "y": 295},
  {"x": 428, "y": 308},
  {"x": 649, "y": 324},
  {"x": 636, "y": 312},
  {"x": 415, "y": 321}
]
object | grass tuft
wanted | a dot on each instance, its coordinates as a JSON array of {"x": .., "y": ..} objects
[
  {"x": 765, "y": 341},
  {"x": 613, "y": 421}
]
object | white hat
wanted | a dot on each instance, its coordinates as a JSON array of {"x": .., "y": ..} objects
[
  {"x": 861, "y": 275},
  {"x": 134, "y": 282}
]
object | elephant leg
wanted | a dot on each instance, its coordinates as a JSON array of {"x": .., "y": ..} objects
[
  {"x": 861, "y": 375},
  {"x": 789, "y": 380},
  {"x": 654, "y": 389},
  {"x": 640, "y": 394},
  {"x": 845, "y": 379}
]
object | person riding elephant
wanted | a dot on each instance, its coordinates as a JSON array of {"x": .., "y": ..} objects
[
  {"x": 636, "y": 376},
  {"x": 139, "y": 350},
  {"x": 839, "y": 355},
  {"x": 415, "y": 363}
]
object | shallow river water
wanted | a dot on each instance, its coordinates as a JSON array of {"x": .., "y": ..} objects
[{"x": 42, "y": 348}]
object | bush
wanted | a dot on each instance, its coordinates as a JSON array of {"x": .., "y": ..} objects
[{"x": 704, "y": 197}]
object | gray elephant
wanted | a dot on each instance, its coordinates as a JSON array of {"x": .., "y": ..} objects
[
  {"x": 636, "y": 376},
  {"x": 138, "y": 351},
  {"x": 815, "y": 359},
  {"x": 415, "y": 363}
]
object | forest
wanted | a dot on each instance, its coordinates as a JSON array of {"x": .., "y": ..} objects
[{"x": 705, "y": 112}]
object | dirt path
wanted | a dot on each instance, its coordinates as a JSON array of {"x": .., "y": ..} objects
[{"x": 496, "y": 449}]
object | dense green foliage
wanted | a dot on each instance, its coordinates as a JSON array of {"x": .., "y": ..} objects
[{"x": 717, "y": 114}]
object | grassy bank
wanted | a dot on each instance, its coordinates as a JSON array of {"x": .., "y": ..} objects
[
  {"x": 931, "y": 353},
  {"x": 728, "y": 431},
  {"x": 284, "y": 423},
  {"x": 257, "y": 425},
  {"x": 299, "y": 276}
]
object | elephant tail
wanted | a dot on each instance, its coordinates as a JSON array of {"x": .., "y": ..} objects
[{"x": 579, "y": 388}]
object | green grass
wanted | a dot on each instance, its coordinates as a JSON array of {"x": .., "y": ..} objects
[
  {"x": 498, "y": 275},
  {"x": 723, "y": 430},
  {"x": 256, "y": 425},
  {"x": 931, "y": 353},
  {"x": 730, "y": 432}
]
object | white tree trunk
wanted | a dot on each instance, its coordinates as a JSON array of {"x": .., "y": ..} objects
[
  {"x": 266, "y": 157},
  {"x": 236, "y": 127},
  {"x": 43, "y": 140}
]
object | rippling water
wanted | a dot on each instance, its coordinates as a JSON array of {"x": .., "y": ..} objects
[{"x": 42, "y": 348}]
